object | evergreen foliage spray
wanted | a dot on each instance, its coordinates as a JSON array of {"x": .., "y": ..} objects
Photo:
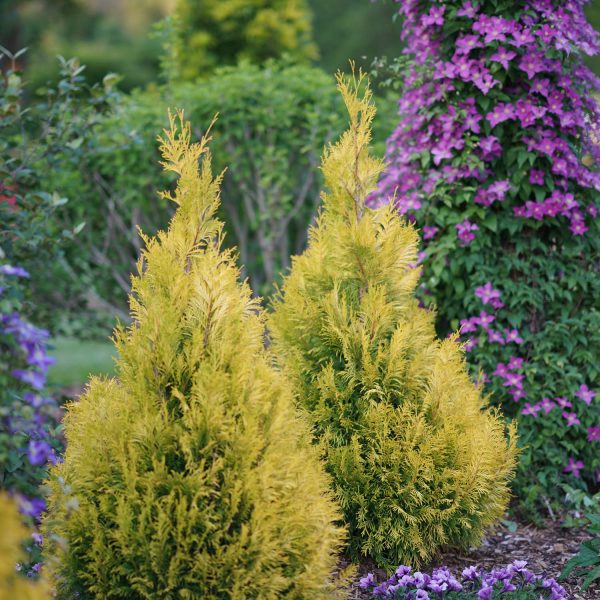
[
  {"x": 417, "y": 458},
  {"x": 190, "y": 475}
]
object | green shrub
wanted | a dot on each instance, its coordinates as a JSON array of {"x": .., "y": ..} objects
[
  {"x": 40, "y": 140},
  {"x": 190, "y": 475},
  {"x": 206, "y": 34},
  {"x": 418, "y": 460},
  {"x": 273, "y": 124}
]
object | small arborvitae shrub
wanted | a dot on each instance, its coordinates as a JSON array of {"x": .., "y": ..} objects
[
  {"x": 496, "y": 158},
  {"x": 206, "y": 34},
  {"x": 417, "y": 459},
  {"x": 12, "y": 585},
  {"x": 190, "y": 475}
]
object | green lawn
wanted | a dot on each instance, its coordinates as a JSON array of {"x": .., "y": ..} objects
[{"x": 76, "y": 360}]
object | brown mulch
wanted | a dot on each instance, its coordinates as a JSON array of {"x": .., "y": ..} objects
[{"x": 546, "y": 551}]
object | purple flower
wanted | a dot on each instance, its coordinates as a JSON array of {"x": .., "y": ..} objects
[
  {"x": 584, "y": 393},
  {"x": 465, "y": 232},
  {"x": 513, "y": 380},
  {"x": 485, "y": 593},
  {"x": 490, "y": 147},
  {"x": 468, "y": 9},
  {"x": 563, "y": 402},
  {"x": 486, "y": 293},
  {"x": 532, "y": 63},
  {"x": 13, "y": 271},
  {"x": 503, "y": 56},
  {"x": 402, "y": 570},
  {"x": 429, "y": 232},
  {"x": 367, "y": 582},
  {"x": 515, "y": 363},
  {"x": 517, "y": 566},
  {"x": 435, "y": 16},
  {"x": 530, "y": 410},
  {"x": 38, "y": 539},
  {"x": 571, "y": 418},
  {"x": 536, "y": 177},
  {"x": 522, "y": 37},
  {"x": 485, "y": 319},
  {"x": 503, "y": 111},
  {"x": 501, "y": 370},
  {"x": 546, "y": 405},
  {"x": 578, "y": 227},
  {"x": 470, "y": 573},
  {"x": 35, "y": 379},
  {"x": 517, "y": 394},
  {"x": 421, "y": 595},
  {"x": 512, "y": 335},
  {"x": 38, "y": 452},
  {"x": 574, "y": 466},
  {"x": 31, "y": 507},
  {"x": 495, "y": 337},
  {"x": 421, "y": 580},
  {"x": 593, "y": 433},
  {"x": 470, "y": 344},
  {"x": 546, "y": 33},
  {"x": 381, "y": 590},
  {"x": 469, "y": 325},
  {"x": 466, "y": 43}
]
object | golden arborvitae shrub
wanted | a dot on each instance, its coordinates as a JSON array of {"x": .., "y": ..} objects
[
  {"x": 190, "y": 475},
  {"x": 418, "y": 459},
  {"x": 12, "y": 533}
]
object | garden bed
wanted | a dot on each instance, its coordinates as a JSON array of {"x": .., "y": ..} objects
[{"x": 546, "y": 551}]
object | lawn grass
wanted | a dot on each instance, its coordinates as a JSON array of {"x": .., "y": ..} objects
[{"x": 76, "y": 360}]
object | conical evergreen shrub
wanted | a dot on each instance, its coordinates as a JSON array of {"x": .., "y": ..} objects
[
  {"x": 12, "y": 585},
  {"x": 417, "y": 458},
  {"x": 190, "y": 475}
]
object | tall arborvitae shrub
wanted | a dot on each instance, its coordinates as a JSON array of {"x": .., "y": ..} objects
[
  {"x": 190, "y": 475},
  {"x": 496, "y": 158},
  {"x": 418, "y": 460},
  {"x": 205, "y": 34},
  {"x": 12, "y": 585}
]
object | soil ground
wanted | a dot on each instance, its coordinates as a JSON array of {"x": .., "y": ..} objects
[{"x": 546, "y": 551}]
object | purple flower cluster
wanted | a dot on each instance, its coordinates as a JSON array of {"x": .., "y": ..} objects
[
  {"x": 548, "y": 106},
  {"x": 474, "y": 583},
  {"x": 512, "y": 377},
  {"x": 26, "y": 413}
]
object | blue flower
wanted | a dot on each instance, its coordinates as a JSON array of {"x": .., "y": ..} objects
[
  {"x": 367, "y": 582},
  {"x": 14, "y": 271},
  {"x": 38, "y": 452}
]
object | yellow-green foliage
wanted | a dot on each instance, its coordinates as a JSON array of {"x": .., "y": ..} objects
[
  {"x": 12, "y": 533},
  {"x": 191, "y": 475},
  {"x": 211, "y": 33},
  {"x": 417, "y": 458}
]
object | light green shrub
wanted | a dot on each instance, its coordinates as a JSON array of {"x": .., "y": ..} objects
[
  {"x": 206, "y": 34},
  {"x": 417, "y": 458},
  {"x": 190, "y": 475}
]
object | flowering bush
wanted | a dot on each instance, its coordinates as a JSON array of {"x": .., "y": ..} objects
[
  {"x": 512, "y": 581},
  {"x": 29, "y": 419},
  {"x": 494, "y": 158}
]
